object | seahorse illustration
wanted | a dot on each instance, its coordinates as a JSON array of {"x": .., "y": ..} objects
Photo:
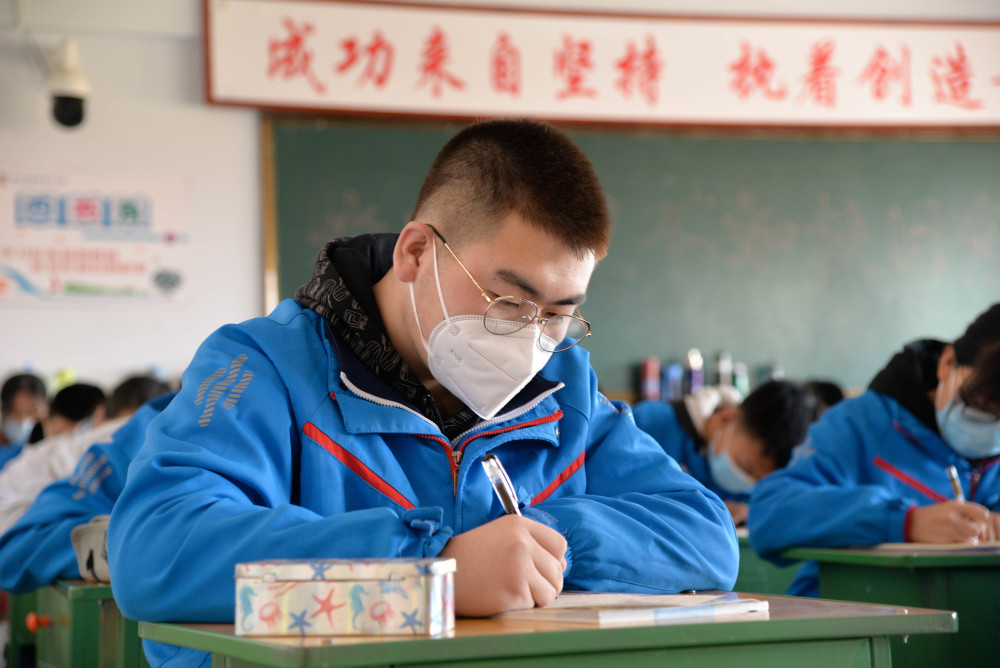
[
  {"x": 245, "y": 593},
  {"x": 357, "y": 605}
]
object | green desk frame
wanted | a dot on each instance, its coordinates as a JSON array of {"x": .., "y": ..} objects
[
  {"x": 21, "y": 647},
  {"x": 795, "y": 632},
  {"x": 759, "y": 576},
  {"x": 87, "y": 630},
  {"x": 967, "y": 583}
]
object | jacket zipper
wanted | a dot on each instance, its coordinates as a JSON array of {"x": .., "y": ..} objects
[{"x": 456, "y": 454}]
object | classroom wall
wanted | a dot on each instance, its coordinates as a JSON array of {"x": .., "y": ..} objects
[{"x": 145, "y": 64}]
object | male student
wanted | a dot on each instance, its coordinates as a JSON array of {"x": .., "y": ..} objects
[
  {"x": 728, "y": 445},
  {"x": 37, "y": 550},
  {"x": 873, "y": 469},
  {"x": 352, "y": 421}
]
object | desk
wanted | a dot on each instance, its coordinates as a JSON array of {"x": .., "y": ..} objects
[
  {"x": 760, "y": 576},
  {"x": 85, "y": 628},
  {"x": 966, "y": 582},
  {"x": 21, "y": 648},
  {"x": 795, "y": 632}
]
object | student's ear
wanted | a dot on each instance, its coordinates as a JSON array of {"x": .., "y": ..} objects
[
  {"x": 946, "y": 364},
  {"x": 414, "y": 240}
]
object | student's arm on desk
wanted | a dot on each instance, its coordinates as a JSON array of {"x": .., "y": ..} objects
[
  {"x": 642, "y": 525},
  {"x": 816, "y": 500},
  {"x": 37, "y": 550},
  {"x": 201, "y": 498}
]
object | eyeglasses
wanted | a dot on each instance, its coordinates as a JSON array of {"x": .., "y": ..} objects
[{"x": 509, "y": 314}]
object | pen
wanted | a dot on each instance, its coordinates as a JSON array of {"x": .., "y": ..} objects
[
  {"x": 501, "y": 484},
  {"x": 956, "y": 486}
]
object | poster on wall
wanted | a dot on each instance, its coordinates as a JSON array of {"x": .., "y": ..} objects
[{"x": 75, "y": 237}]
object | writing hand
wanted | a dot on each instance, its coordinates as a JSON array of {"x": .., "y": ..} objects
[
  {"x": 949, "y": 522},
  {"x": 511, "y": 563}
]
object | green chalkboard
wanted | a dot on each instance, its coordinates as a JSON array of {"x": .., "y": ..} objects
[{"x": 823, "y": 254}]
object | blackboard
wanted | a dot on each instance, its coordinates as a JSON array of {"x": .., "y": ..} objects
[{"x": 820, "y": 253}]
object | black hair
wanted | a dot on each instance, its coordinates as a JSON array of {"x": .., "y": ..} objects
[
  {"x": 778, "y": 413},
  {"x": 133, "y": 392},
  {"x": 20, "y": 383},
  {"x": 494, "y": 168},
  {"x": 982, "y": 388},
  {"x": 983, "y": 333},
  {"x": 77, "y": 402},
  {"x": 827, "y": 393}
]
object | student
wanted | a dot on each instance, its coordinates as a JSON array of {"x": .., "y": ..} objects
[
  {"x": 37, "y": 550},
  {"x": 873, "y": 468},
  {"x": 827, "y": 392},
  {"x": 727, "y": 445},
  {"x": 352, "y": 421},
  {"x": 53, "y": 458},
  {"x": 22, "y": 406},
  {"x": 76, "y": 407}
]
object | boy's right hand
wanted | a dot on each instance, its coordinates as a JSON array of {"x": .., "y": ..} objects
[
  {"x": 511, "y": 563},
  {"x": 950, "y": 522}
]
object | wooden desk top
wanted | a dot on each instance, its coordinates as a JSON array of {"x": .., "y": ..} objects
[{"x": 788, "y": 619}]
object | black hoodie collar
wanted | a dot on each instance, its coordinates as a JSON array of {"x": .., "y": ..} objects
[{"x": 909, "y": 376}]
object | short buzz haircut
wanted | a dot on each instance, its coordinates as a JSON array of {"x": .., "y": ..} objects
[{"x": 494, "y": 168}]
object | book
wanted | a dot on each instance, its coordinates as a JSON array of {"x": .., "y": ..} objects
[
  {"x": 609, "y": 609},
  {"x": 954, "y": 548}
]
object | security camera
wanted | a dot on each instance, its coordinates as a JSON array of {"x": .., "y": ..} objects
[{"x": 67, "y": 85}]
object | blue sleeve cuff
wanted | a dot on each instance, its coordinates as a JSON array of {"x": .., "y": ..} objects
[
  {"x": 426, "y": 523},
  {"x": 543, "y": 517}
]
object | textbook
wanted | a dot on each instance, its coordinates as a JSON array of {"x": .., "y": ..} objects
[
  {"x": 610, "y": 609},
  {"x": 982, "y": 546}
]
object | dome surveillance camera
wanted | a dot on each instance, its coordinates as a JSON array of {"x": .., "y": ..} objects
[{"x": 67, "y": 85}]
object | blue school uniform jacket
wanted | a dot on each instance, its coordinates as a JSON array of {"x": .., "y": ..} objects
[
  {"x": 282, "y": 445},
  {"x": 37, "y": 551},
  {"x": 673, "y": 429},
  {"x": 863, "y": 466}
]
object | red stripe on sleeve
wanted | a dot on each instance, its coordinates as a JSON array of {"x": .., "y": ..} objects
[
  {"x": 563, "y": 477},
  {"x": 355, "y": 464},
  {"x": 908, "y": 480}
]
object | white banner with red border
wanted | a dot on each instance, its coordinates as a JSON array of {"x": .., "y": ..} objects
[{"x": 418, "y": 60}]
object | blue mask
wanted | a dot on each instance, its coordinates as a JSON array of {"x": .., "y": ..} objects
[
  {"x": 972, "y": 438},
  {"x": 726, "y": 473},
  {"x": 16, "y": 432}
]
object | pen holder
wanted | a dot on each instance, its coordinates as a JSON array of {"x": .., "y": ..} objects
[{"x": 330, "y": 597}]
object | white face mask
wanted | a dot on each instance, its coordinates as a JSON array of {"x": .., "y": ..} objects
[
  {"x": 727, "y": 474},
  {"x": 17, "y": 432},
  {"x": 482, "y": 369}
]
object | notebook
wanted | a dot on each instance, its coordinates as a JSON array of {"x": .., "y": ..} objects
[
  {"x": 609, "y": 609},
  {"x": 982, "y": 546}
]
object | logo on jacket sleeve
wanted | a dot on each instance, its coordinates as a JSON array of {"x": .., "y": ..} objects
[{"x": 222, "y": 382}]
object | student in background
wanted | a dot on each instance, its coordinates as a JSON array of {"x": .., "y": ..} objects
[
  {"x": 352, "y": 421},
  {"x": 874, "y": 468},
  {"x": 36, "y": 550},
  {"x": 727, "y": 445},
  {"x": 75, "y": 407},
  {"x": 827, "y": 392},
  {"x": 55, "y": 457},
  {"x": 22, "y": 406}
]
